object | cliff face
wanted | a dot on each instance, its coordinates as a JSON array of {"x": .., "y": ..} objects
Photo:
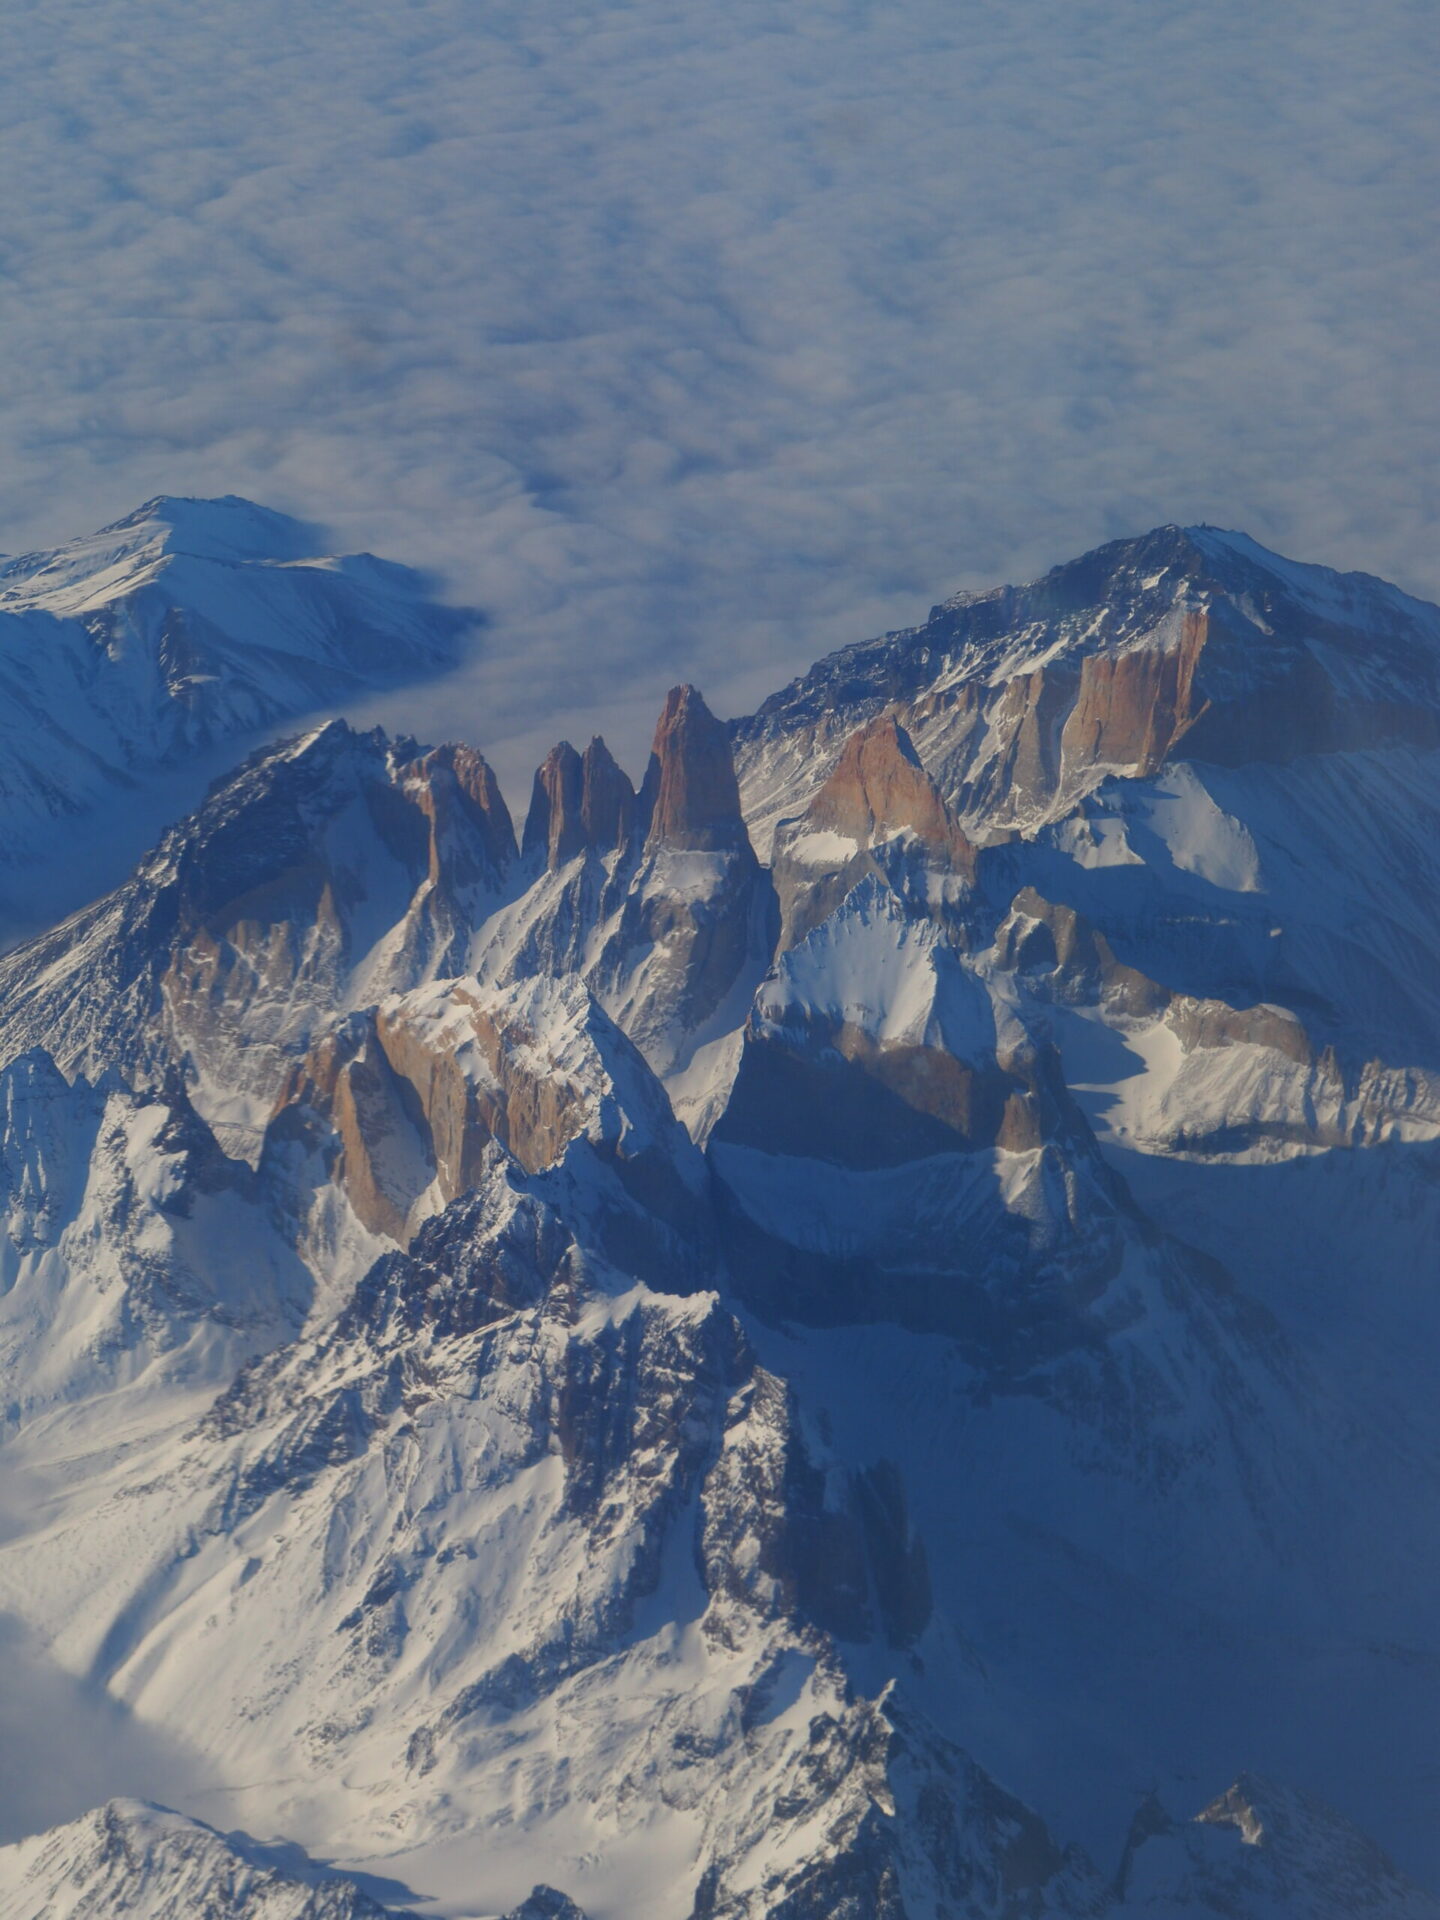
[
  {"x": 1185, "y": 643},
  {"x": 700, "y": 1346},
  {"x": 878, "y": 813},
  {"x": 414, "y": 1099},
  {"x": 690, "y": 795},
  {"x": 879, "y": 789},
  {"x": 471, "y": 840},
  {"x": 580, "y": 802}
]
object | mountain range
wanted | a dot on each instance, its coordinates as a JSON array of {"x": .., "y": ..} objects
[{"x": 842, "y": 1329}]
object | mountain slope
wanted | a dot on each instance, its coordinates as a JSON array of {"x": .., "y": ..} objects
[
  {"x": 768, "y": 1353},
  {"x": 135, "y": 652},
  {"x": 1264, "y": 1852},
  {"x": 147, "y": 1863},
  {"x": 1184, "y": 643}
]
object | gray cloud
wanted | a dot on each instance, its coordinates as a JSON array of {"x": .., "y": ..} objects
[{"x": 693, "y": 339}]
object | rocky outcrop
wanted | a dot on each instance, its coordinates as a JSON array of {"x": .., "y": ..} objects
[
  {"x": 580, "y": 803},
  {"x": 879, "y": 789},
  {"x": 545, "y": 1903},
  {"x": 1054, "y": 945},
  {"x": 878, "y": 813},
  {"x": 690, "y": 797},
  {"x": 471, "y": 836},
  {"x": 1225, "y": 1080},
  {"x": 1186, "y": 642},
  {"x": 420, "y": 1091},
  {"x": 688, "y": 925},
  {"x": 672, "y": 922},
  {"x": 1260, "y": 1851}
]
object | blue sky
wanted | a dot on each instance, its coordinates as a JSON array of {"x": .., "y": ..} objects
[{"x": 694, "y": 340}]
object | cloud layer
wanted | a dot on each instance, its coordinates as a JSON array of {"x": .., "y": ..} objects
[{"x": 696, "y": 339}]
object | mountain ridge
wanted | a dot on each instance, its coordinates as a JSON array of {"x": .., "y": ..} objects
[{"x": 673, "y": 1375}]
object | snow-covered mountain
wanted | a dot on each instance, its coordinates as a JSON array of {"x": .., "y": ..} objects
[
  {"x": 145, "y": 1861},
  {"x": 583, "y": 1371},
  {"x": 1188, "y": 643},
  {"x": 133, "y": 653}
]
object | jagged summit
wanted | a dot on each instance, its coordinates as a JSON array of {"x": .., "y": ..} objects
[
  {"x": 579, "y": 802},
  {"x": 689, "y": 800},
  {"x": 1185, "y": 643}
]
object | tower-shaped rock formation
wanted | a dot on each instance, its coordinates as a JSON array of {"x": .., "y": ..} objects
[
  {"x": 579, "y": 802},
  {"x": 607, "y": 799},
  {"x": 690, "y": 796},
  {"x": 472, "y": 837}
]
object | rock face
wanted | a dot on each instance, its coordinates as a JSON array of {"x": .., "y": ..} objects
[
  {"x": 690, "y": 795},
  {"x": 878, "y": 813},
  {"x": 600, "y": 1377},
  {"x": 581, "y": 802},
  {"x": 1186, "y": 642},
  {"x": 879, "y": 789},
  {"x": 416, "y": 1094}
]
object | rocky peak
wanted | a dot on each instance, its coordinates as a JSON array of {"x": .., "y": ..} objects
[
  {"x": 546, "y": 1903},
  {"x": 879, "y": 789},
  {"x": 1260, "y": 1850},
  {"x": 579, "y": 802},
  {"x": 552, "y": 826},
  {"x": 472, "y": 837},
  {"x": 1185, "y": 643},
  {"x": 690, "y": 792},
  {"x": 607, "y": 798}
]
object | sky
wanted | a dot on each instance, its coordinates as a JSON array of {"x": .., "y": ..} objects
[{"x": 690, "y": 340}]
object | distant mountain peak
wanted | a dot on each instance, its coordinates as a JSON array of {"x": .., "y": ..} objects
[
  {"x": 135, "y": 651},
  {"x": 224, "y": 527}
]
